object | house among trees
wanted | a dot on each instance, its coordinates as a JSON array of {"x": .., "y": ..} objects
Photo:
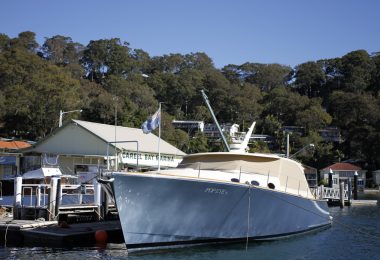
[
  {"x": 189, "y": 126},
  {"x": 344, "y": 172},
  {"x": 330, "y": 134}
]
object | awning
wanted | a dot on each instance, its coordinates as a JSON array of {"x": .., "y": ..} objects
[{"x": 42, "y": 173}]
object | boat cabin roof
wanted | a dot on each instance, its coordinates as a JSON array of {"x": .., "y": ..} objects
[{"x": 265, "y": 164}]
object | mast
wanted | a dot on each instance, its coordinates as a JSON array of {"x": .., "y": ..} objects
[{"x": 205, "y": 98}]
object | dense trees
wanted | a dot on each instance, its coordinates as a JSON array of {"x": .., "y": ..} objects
[{"x": 108, "y": 78}]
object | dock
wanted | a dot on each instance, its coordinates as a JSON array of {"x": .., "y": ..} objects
[
  {"x": 340, "y": 197},
  {"x": 363, "y": 202},
  {"x": 54, "y": 234}
]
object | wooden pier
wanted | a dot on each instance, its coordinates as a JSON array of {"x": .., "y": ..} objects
[
  {"x": 340, "y": 196},
  {"x": 54, "y": 234}
]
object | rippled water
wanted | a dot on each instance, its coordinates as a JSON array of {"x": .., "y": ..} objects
[{"x": 355, "y": 234}]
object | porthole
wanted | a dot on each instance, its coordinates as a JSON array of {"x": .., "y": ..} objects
[
  {"x": 255, "y": 183},
  {"x": 271, "y": 186},
  {"x": 235, "y": 180}
]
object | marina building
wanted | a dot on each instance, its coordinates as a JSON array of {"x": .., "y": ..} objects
[{"x": 81, "y": 147}]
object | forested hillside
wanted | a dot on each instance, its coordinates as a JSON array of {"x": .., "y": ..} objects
[{"x": 107, "y": 78}]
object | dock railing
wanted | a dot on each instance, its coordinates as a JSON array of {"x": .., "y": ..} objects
[
  {"x": 328, "y": 193},
  {"x": 35, "y": 195}
]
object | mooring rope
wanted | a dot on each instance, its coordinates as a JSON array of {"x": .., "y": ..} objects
[{"x": 5, "y": 237}]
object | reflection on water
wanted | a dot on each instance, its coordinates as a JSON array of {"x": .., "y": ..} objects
[{"x": 355, "y": 234}]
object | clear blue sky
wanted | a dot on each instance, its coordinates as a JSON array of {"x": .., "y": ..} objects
[{"x": 288, "y": 32}]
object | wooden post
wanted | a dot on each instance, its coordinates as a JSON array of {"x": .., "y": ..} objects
[
  {"x": 341, "y": 194},
  {"x": 330, "y": 179},
  {"x": 38, "y": 193},
  {"x": 321, "y": 194},
  {"x": 58, "y": 196},
  {"x": 104, "y": 204},
  {"x": 349, "y": 190},
  {"x": 18, "y": 197},
  {"x": 356, "y": 186},
  {"x": 98, "y": 197},
  {"x": 52, "y": 198}
]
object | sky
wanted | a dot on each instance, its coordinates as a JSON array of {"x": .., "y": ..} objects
[{"x": 288, "y": 32}]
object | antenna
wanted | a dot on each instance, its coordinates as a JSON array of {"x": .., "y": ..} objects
[{"x": 205, "y": 98}]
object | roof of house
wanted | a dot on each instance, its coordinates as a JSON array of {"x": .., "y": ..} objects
[
  {"x": 13, "y": 145},
  {"x": 147, "y": 142},
  {"x": 342, "y": 167}
]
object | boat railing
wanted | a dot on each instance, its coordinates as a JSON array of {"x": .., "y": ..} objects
[{"x": 240, "y": 174}]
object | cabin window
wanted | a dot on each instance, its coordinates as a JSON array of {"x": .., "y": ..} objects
[
  {"x": 235, "y": 180},
  {"x": 255, "y": 183},
  {"x": 271, "y": 186}
]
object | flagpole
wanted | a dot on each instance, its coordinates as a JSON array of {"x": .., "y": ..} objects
[{"x": 159, "y": 137}]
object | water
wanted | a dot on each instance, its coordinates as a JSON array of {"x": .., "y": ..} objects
[{"x": 355, "y": 234}]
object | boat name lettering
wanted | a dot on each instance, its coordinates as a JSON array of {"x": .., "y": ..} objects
[{"x": 216, "y": 191}]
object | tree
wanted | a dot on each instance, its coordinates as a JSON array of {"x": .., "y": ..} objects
[
  {"x": 358, "y": 117},
  {"x": 309, "y": 79},
  {"x": 107, "y": 57},
  {"x": 4, "y": 42},
  {"x": 198, "y": 144},
  {"x": 313, "y": 117},
  {"x": 25, "y": 40},
  {"x": 375, "y": 77},
  {"x": 259, "y": 147},
  {"x": 356, "y": 68},
  {"x": 283, "y": 104},
  {"x": 32, "y": 107},
  {"x": 266, "y": 76},
  {"x": 245, "y": 103}
]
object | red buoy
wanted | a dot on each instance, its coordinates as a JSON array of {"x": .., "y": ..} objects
[{"x": 101, "y": 236}]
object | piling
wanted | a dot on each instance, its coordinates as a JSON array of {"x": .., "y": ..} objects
[
  {"x": 58, "y": 197},
  {"x": 38, "y": 194},
  {"x": 321, "y": 193},
  {"x": 330, "y": 179},
  {"x": 349, "y": 191},
  {"x": 356, "y": 186},
  {"x": 52, "y": 198},
  {"x": 18, "y": 198},
  {"x": 341, "y": 194},
  {"x": 104, "y": 204},
  {"x": 98, "y": 197}
]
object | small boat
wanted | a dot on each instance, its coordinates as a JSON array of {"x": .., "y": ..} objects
[{"x": 220, "y": 196}]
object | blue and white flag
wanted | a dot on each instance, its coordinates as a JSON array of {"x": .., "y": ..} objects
[{"x": 152, "y": 123}]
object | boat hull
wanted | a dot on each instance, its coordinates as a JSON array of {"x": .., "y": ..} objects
[{"x": 157, "y": 210}]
